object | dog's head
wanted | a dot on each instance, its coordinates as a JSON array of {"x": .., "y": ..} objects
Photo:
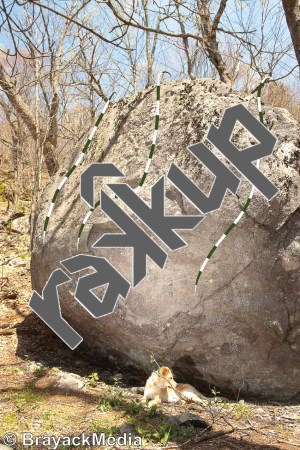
[{"x": 163, "y": 377}]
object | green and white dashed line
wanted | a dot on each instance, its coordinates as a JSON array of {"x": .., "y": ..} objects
[
  {"x": 150, "y": 157},
  {"x": 248, "y": 201},
  {"x": 75, "y": 165},
  {"x": 153, "y": 145}
]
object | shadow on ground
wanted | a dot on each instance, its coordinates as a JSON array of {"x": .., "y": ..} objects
[
  {"x": 37, "y": 342},
  {"x": 228, "y": 443}
]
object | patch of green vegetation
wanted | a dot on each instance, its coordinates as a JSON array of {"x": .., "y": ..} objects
[
  {"x": 97, "y": 427},
  {"x": 135, "y": 408},
  {"x": 48, "y": 426},
  {"x": 29, "y": 395},
  {"x": 9, "y": 421},
  {"x": 54, "y": 370},
  {"x": 149, "y": 423},
  {"x": 115, "y": 399},
  {"x": 215, "y": 392},
  {"x": 46, "y": 415},
  {"x": 222, "y": 405},
  {"x": 93, "y": 379},
  {"x": 152, "y": 425},
  {"x": 104, "y": 405},
  {"x": 22, "y": 207},
  {"x": 241, "y": 411},
  {"x": 165, "y": 432},
  {"x": 284, "y": 431},
  {"x": 24, "y": 255},
  {"x": 117, "y": 379}
]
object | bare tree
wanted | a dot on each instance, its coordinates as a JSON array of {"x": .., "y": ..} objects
[
  {"x": 49, "y": 45},
  {"x": 46, "y": 135},
  {"x": 75, "y": 54},
  {"x": 205, "y": 28}
]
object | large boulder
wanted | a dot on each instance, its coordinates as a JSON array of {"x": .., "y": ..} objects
[{"x": 241, "y": 331}]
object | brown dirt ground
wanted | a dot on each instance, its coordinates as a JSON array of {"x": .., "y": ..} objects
[{"x": 32, "y": 358}]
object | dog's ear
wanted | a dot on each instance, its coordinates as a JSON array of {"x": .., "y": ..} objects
[{"x": 165, "y": 371}]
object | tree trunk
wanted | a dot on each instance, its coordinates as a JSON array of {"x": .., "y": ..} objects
[
  {"x": 211, "y": 44},
  {"x": 149, "y": 56},
  {"x": 292, "y": 14},
  {"x": 50, "y": 139},
  {"x": 149, "y": 81}
]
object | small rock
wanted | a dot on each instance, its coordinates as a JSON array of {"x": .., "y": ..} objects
[
  {"x": 17, "y": 262},
  {"x": 215, "y": 409},
  {"x": 126, "y": 428},
  {"x": 69, "y": 381},
  {"x": 21, "y": 225},
  {"x": 35, "y": 367},
  {"x": 187, "y": 418}
]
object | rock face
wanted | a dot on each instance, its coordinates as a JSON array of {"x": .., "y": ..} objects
[{"x": 241, "y": 331}]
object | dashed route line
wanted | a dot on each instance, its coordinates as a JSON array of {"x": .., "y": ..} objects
[
  {"x": 148, "y": 164},
  {"x": 248, "y": 201},
  {"x": 75, "y": 165}
]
